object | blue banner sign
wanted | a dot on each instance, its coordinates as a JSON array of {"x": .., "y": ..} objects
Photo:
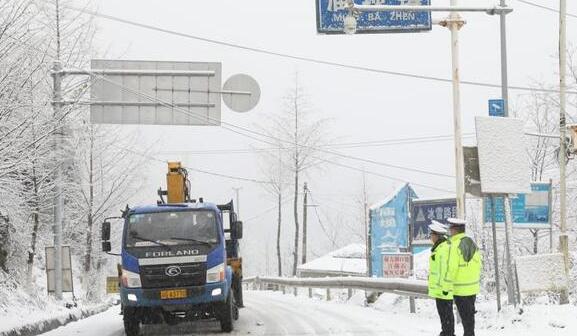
[
  {"x": 389, "y": 227},
  {"x": 424, "y": 211},
  {"x": 528, "y": 210},
  {"x": 331, "y": 14}
]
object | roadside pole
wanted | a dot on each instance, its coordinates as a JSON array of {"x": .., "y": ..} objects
[
  {"x": 511, "y": 299},
  {"x": 369, "y": 247},
  {"x": 412, "y": 307},
  {"x": 366, "y": 226},
  {"x": 305, "y": 205},
  {"x": 59, "y": 130},
  {"x": 495, "y": 256},
  {"x": 563, "y": 239},
  {"x": 504, "y": 68},
  {"x": 506, "y": 198},
  {"x": 455, "y": 22},
  {"x": 58, "y": 197}
]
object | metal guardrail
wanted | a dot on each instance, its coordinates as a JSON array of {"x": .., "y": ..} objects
[{"x": 405, "y": 287}]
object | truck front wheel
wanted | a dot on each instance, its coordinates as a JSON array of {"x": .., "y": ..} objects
[
  {"x": 131, "y": 323},
  {"x": 228, "y": 314}
]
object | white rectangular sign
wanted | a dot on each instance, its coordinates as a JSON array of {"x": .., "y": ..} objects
[
  {"x": 541, "y": 272},
  {"x": 503, "y": 163},
  {"x": 396, "y": 265},
  {"x": 155, "y": 92},
  {"x": 67, "y": 285}
]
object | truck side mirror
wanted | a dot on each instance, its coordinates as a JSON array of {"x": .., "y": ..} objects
[
  {"x": 105, "y": 231},
  {"x": 106, "y": 247},
  {"x": 236, "y": 230}
]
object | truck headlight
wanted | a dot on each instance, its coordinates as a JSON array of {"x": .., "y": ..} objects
[
  {"x": 215, "y": 274},
  {"x": 130, "y": 279}
]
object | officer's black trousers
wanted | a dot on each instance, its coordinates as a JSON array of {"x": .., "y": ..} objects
[
  {"x": 466, "y": 307},
  {"x": 445, "y": 310}
]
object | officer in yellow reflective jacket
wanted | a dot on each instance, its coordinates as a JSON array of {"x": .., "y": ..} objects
[
  {"x": 463, "y": 273},
  {"x": 438, "y": 263}
]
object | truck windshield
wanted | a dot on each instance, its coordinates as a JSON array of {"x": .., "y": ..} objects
[{"x": 172, "y": 228}]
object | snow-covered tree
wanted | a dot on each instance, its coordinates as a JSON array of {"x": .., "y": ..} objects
[{"x": 300, "y": 135}]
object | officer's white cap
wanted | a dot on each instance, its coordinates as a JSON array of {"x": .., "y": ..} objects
[
  {"x": 437, "y": 227},
  {"x": 456, "y": 222}
]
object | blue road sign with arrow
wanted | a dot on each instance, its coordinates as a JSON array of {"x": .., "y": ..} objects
[{"x": 496, "y": 107}]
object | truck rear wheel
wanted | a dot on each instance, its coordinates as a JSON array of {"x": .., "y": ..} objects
[
  {"x": 131, "y": 323},
  {"x": 238, "y": 292},
  {"x": 228, "y": 314}
]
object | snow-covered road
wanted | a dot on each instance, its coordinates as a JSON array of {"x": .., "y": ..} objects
[
  {"x": 272, "y": 313},
  {"x": 268, "y": 313}
]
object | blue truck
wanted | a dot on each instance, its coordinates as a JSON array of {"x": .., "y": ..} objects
[{"x": 179, "y": 259}]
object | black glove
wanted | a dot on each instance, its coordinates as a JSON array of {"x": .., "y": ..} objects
[{"x": 445, "y": 293}]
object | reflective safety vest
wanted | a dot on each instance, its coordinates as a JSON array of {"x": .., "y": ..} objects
[
  {"x": 464, "y": 267},
  {"x": 438, "y": 262}
]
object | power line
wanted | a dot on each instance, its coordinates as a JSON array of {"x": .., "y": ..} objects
[
  {"x": 364, "y": 144},
  {"x": 385, "y": 176},
  {"x": 339, "y": 203},
  {"x": 414, "y": 170},
  {"x": 303, "y": 58},
  {"x": 551, "y": 9},
  {"x": 198, "y": 170},
  {"x": 266, "y": 211},
  {"x": 321, "y": 222},
  {"x": 266, "y": 182},
  {"x": 246, "y": 179},
  {"x": 402, "y": 141}
]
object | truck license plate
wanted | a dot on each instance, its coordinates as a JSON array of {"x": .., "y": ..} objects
[{"x": 173, "y": 294}]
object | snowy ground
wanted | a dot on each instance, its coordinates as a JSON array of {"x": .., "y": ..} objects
[
  {"x": 271, "y": 313},
  {"x": 19, "y": 308}
]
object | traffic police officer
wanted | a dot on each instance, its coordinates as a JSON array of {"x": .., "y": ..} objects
[
  {"x": 463, "y": 273},
  {"x": 437, "y": 274}
]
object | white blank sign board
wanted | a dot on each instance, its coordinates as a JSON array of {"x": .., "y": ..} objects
[
  {"x": 67, "y": 285},
  {"x": 503, "y": 163},
  {"x": 541, "y": 272},
  {"x": 155, "y": 93}
]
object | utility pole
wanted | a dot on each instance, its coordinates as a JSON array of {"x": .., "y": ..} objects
[
  {"x": 563, "y": 239},
  {"x": 495, "y": 255},
  {"x": 504, "y": 66},
  {"x": 366, "y": 225},
  {"x": 279, "y": 222},
  {"x": 511, "y": 283},
  {"x": 454, "y": 23},
  {"x": 58, "y": 204},
  {"x": 305, "y": 204},
  {"x": 237, "y": 193},
  {"x": 58, "y": 197}
]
